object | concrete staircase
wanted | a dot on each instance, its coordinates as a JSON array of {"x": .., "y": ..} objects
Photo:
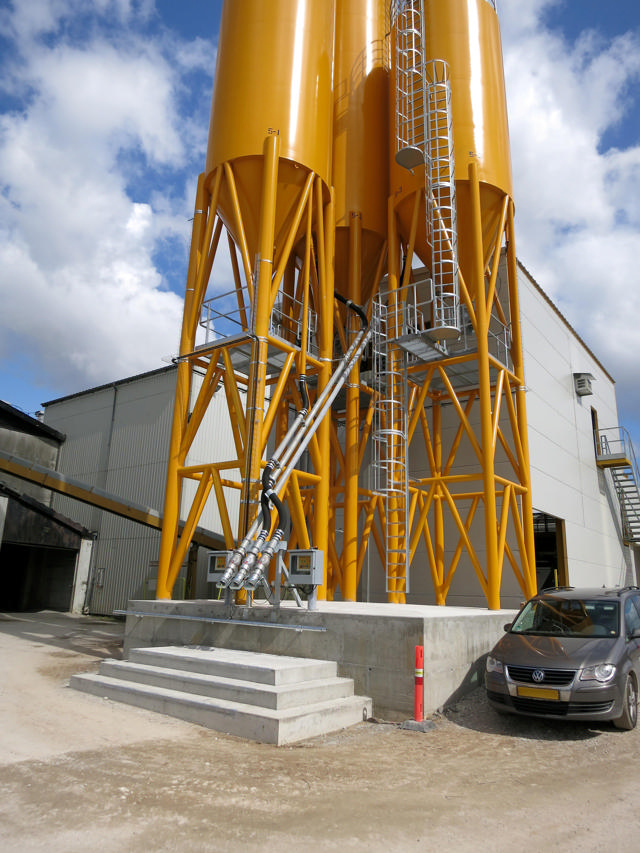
[{"x": 268, "y": 698}]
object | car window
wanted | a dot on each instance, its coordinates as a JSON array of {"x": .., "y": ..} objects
[
  {"x": 569, "y": 617},
  {"x": 631, "y": 615}
]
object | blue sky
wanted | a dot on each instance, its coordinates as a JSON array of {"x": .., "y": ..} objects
[{"x": 104, "y": 108}]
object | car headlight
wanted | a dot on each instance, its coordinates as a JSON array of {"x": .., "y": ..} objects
[
  {"x": 601, "y": 672},
  {"x": 494, "y": 665}
]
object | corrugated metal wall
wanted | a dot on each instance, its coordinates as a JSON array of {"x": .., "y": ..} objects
[{"x": 118, "y": 440}]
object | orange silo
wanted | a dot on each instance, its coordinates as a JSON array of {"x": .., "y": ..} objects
[
  {"x": 274, "y": 72},
  {"x": 361, "y": 181},
  {"x": 267, "y": 182},
  {"x": 360, "y": 134}
]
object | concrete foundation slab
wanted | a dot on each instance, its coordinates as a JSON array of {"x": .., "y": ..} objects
[{"x": 373, "y": 644}]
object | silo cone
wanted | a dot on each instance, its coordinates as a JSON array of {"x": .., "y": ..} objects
[
  {"x": 267, "y": 180},
  {"x": 360, "y": 177}
]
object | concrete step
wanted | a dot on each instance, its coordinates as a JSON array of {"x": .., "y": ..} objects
[
  {"x": 229, "y": 663},
  {"x": 270, "y": 698},
  {"x": 277, "y": 727},
  {"x": 277, "y": 696}
]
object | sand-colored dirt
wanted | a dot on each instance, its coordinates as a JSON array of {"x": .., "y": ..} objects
[{"x": 80, "y": 773}]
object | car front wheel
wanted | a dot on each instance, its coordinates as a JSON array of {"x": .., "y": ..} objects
[{"x": 629, "y": 717}]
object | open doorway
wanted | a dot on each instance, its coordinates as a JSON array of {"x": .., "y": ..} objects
[
  {"x": 551, "y": 551},
  {"x": 36, "y": 578}
]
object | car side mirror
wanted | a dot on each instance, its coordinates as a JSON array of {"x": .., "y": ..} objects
[
  {"x": 507, "y": 627},
  {"x": 635, "y": 634}
]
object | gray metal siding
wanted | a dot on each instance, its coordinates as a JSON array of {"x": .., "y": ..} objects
[{"x": 118, "y": 439}]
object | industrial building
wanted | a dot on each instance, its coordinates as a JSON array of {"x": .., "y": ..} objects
[
  {"x": 460, "y": 435},
  {"x": 115, "y": 438},
  {"x": 43, "y": 554},
  {"x": 382, "y": 394}
]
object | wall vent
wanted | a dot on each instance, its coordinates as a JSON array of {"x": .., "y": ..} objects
[{"x": 582, "y": 383}]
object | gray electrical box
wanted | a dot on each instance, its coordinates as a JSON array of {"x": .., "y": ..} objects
[
  {"x": 306, "y": 567},
  {"x": 217, "y": 565}
]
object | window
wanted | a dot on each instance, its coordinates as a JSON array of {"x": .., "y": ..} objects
[{"x": 631, "y": 614}]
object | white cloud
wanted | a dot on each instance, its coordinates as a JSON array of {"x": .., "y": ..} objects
[
  {"x": 25, "y": 20},
  {"x": 106, "y": 97},
  {"x": 577, "y": 208},
  {"x": 85, "y": 202},
  {"x": 105, "y": 135}
]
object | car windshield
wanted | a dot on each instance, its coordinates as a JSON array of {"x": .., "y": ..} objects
[{"x": 575, "y": 617}]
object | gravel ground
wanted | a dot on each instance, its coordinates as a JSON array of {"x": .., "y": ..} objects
[{"x": 78, "y": 772}]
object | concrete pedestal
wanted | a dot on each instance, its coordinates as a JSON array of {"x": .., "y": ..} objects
[{"x": 374, "y": 644}]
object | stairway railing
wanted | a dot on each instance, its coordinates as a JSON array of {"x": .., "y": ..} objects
[{"x": 615, "y": 451}]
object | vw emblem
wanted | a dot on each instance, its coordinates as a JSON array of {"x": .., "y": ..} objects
[{"x": 538, "y": 675}]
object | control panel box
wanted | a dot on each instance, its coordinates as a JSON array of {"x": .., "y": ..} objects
[
  {"x": 217, "y": 565},
  {"x": 306, "y": 567}
]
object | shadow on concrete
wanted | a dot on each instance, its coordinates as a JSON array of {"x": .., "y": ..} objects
[{"x": 99, "y": 637}]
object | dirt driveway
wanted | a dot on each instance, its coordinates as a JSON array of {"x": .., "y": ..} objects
[{"x": 80, "y": 773}]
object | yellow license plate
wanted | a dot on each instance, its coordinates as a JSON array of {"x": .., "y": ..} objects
[{"x": 538, "y": 693}]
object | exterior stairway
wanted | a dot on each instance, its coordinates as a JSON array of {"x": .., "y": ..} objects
[
  {"x": 615, "y": 452},
  {"x": 268, "y": 698}
]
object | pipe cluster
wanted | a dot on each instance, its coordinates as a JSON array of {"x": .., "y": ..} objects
[{"x": 249, "y": 562}]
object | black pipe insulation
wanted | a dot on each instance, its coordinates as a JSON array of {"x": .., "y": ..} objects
[
  {"x": 354, "y": 307},
  {"x": 302, "y": 384},
  {"x": 266, "y": 514},
  {"x": 283, "y": 512}
]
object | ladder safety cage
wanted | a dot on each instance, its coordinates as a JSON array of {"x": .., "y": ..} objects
[
  {"x": 424, "y": 138},
  {"x": 394, "y": 315},
  {"x": 410, "y": 92},
  {"x": 441, "y": 202}
]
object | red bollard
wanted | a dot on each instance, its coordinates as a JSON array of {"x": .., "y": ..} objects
[{"x": 418, "y": 690}]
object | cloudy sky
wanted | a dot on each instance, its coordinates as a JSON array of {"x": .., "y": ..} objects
[{"x": 103, "y": 118}]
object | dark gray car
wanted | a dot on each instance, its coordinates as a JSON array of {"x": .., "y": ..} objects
[{"x": 571, "y": 654}]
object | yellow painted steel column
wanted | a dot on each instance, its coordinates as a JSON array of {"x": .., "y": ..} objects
[
  {"x": 173, "y": 488},
  {"x": 352, "y": 426},
  {"x": 438, "y": 513},
  {"x": 322, "y": 514},
  {"x": 261, "y": 307},
  {"x": 528, "y": 560},
  {"x": 484, "y": 382},
  {"x": 392, "y": 287}
]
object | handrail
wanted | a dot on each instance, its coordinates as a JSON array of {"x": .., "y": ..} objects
[
  {"x": 614, "y": 449},
  {"x": 616, "y": 441}
]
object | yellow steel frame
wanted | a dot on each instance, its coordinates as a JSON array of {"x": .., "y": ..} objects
[
  {"x": 503, "y": 501},
  {"x": 300, "y": 266}
]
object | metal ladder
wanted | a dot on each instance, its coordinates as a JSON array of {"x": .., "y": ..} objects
[
  {"x": 390, "y": 435},
  {"x": 424, "y": 139}
]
